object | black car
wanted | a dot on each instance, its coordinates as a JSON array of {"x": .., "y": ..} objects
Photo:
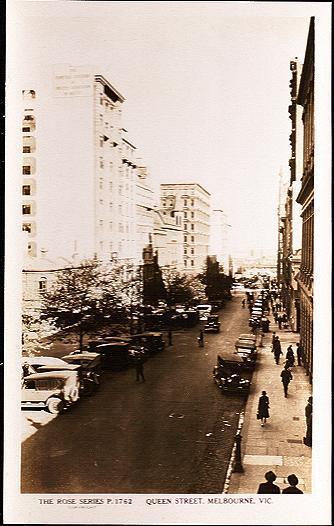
[{"x": 212, "y": 324}]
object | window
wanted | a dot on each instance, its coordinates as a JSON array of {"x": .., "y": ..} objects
[
  {"x": 26, "y": 149},
  {"x": 185, "y": 215},
  {"x": 185, "y": 202},
  {"x": 110, "y": 186},
  {"x": 192, "y": 251},
  {"x": 101, "y": 101},
  {"x": 185, "y": 251},
  {"x": 101, "y": 183},
  {"x": 192, "y": 215},
  {"x": 42, "y": 285},
  {"x": 185, "y": 226},
  {"x": 192, "y": 239},
  {"x": 101, "y": 141},
  {"x": 192, "y": 202},
  {"x": 185, "y": 262},
  {"x": 192, "y": 262},
  {"x": 26, "y": 129},
  {"x": 27, "y": 227},
  {"x": 26, "y": 209},
  {"x": 110, "y": 206},
  {"x": 101, "y": 201},
  {"x": 101, "y": 163},
  {"x": 185, "y": 239},
  {"x": 26, "y": 189},
  {"x": 26, "y": 170},
  {"x": 192, "y": 226},
  {"x": 101, "y": 223}
]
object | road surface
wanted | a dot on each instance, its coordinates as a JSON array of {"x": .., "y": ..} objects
[{"x": 172, "y": 434}]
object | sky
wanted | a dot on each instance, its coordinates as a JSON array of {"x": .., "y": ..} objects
[{"x": 206, "y": 87}]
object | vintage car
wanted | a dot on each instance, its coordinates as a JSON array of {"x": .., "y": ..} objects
[
  {"x": 152, "y": 341},
  {"x": 245, "y": 344},
  {"x": 229, "y": 379},
  {"x": 114, "y": 355},
  {"x": 32, "y": 364},
  {"x": 212, "y": 324},
  {"x": 247, "y": 336},
  {"x": 53, "y": 391},
  {"x": 90, "y": 364}
]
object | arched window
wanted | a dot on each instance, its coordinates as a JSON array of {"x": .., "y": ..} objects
[{"x": 42, "y": 284}]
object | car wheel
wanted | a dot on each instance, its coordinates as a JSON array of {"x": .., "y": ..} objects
[
  {"x": 88, "y": 387},
  {"x": 55, "y": 406}
]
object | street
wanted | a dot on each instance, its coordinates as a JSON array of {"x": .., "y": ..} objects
[{"x": 171, "y": 434}]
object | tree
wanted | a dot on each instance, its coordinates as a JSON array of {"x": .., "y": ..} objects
[
  {"x": 35, "y": 333},
  {"x": 181, "y": 288},
  {"x": 217, "y": 284},
  {"x": 74, "y": 299}
]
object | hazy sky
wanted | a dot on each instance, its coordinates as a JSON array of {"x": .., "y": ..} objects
[{"x": 206, "y": 87}]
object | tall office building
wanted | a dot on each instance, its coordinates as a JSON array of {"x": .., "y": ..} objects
[
  {"x": 194, "y": 202},
  {"x": 79, "y": 170},
  {"x": 219, "y": 238}
]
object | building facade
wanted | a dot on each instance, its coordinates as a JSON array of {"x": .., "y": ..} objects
[
  {"x": 79, "y": 169},
  {"x": 194, "y": 202},
  {"x": 219, "y": 238},
  {"x": 306, "y": 199}
]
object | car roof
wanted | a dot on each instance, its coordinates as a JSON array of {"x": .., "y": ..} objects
[
  {"x": 42, "y": 360},
  {"x": 82, "y": 356},
  {"x": 55, "y": 374},
  {"x": 68, "y": 367},
  {"x": 111, "y": 344}
]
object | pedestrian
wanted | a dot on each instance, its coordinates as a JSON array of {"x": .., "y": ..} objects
[
  {"x": 263, "y": 408},
  {"x": 275, "y": 316},
  {"x": 279, "y": 320},
  {"x": 243, "y": 303},
  {"x": 308, "y": 416},
  {"x": 286, "y": 377},
  {"x": 200, "y": 338},
  {"x": 273, "y": 339},
  {"x": 285, "y": 320},
  {"x": 293, "y": 481},
  {"x": 269, "y": 486},
  {"x": 299, "y": 353},
  {"x": 170, "y": 337},
  {"x": 277, "y": 350},
  {"x": 139, "y": 366},
  {"x": 290, "y": 357}
]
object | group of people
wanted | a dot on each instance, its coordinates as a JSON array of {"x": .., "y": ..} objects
[{"x": 270, "y": 487}]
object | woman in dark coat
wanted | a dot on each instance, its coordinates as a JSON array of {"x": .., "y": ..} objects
[{"x": 263, "y": 407}]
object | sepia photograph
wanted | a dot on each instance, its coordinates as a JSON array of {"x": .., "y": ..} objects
[{"x": 168, "y": 228}]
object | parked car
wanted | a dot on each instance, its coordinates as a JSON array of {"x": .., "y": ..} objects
[
  {"x": 227, "y": 376},
  {"x": 152, "y": 341},
  {"x": 32, "y": 364},
  {"x": 247, "y": 336},
  {"x": 91, "y": 369},
  {"x": 114, "y": 355},
  {"x": 53, "y": 391},
  {"x": 212, "y": 324},
  {"x": 245, "y": 344}
]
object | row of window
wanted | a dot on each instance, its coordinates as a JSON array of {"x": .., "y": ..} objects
[
  {"x": 192, "y": 215},
  {"x": 192, "y": 226},
  {"x": 192, "y": 239},
  {"x": 192, "y": 263},
  {"x": 192, "y": 251}
]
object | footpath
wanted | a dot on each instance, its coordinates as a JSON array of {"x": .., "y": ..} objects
[{"x": 278, "y": 446}]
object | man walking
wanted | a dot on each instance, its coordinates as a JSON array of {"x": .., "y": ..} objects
[
  {"x": 286, "y": 377},
  {"x": 277, "y": 349},
  {"x": 200, "y": 338},
  {"x": 139, "y": 366}
]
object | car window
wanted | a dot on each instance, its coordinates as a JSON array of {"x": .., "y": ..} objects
[{"x": 49, "y": 384}]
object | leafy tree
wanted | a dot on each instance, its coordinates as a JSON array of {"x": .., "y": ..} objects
[
  {"x": 217, "y": 284},
  {"x": 75, "y": 298},
  {"x": 181, "y": 288},
  {"x": 35, "y": 332}
]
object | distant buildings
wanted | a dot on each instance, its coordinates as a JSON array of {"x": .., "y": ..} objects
[
  {"x": 219, "y": 238},
  {"x": 193, "y": 201}
]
